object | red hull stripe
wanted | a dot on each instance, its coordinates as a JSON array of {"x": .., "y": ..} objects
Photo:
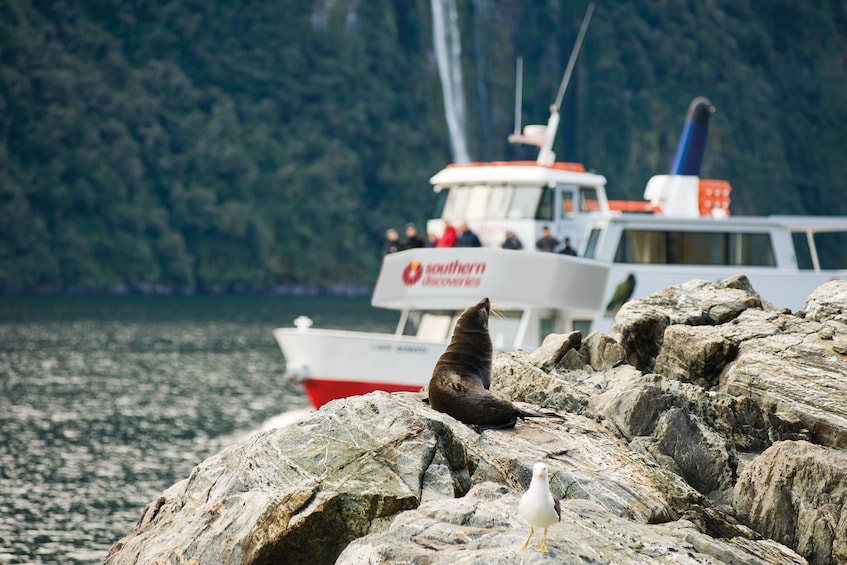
[{"x": 321, "y": 391}]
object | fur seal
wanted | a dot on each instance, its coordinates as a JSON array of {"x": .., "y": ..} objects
[{"x": 462, "y": 375}]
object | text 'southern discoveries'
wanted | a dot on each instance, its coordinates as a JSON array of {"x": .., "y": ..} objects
[{"x": 453, "y": 274}]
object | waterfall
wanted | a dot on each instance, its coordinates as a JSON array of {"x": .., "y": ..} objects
[{"x": 448, "y": 52}]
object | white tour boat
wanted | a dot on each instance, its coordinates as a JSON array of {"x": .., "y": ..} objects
[{"x": 681, "y": 231}]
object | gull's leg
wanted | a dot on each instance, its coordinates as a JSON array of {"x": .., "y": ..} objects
[
  {"x": 526, "y": 543},
  {"x": 543, "y": 547}
]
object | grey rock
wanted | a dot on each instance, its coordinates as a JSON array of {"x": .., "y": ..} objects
[
  {"x": 828, "y": 302},
  {"x": 694, "y": 354},
  {"x": 603, "y": 351},
  {"x": 792, "y": 370},
  {"x": 796, "y": 493},
  {"x": 483, "y": 528},
  {"x": 662, "y": 452},
  {"x": 640, "y": 324},
  {"x": 303, "y": 492},
  {"x": 560, "y": 351},
  {"x": 705, "y": 458}
]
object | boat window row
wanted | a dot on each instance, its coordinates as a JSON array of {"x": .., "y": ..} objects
[
  {"x": 695, "y": 248},
  {"x": 476, "y": 202}
]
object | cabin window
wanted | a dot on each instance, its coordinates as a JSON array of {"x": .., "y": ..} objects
[
  {"x": 432, "y": 325},
  {"x": 695, "y": 248},
  {"x": 591, "y": 246},
  {"x": 548, "y": 326},
  {"x": 567, "y": 204},
  {"x": 477, "y": 202},
  {"x": 437, "y": 325},
  {"x": 503, "y": 327},
  {"x": 456, "y": 203},
  {"x": 832, "y": 249},
  {"x": 583, "y": 326},
  {"x": 440, "y": 201},
  {"x": 588, "y": 199},
  {"x": 750, "y": 249},
  {"x": 524, "y": 202},
  {"x": 498, "y": 203},
  {"x": 545, "y": 207},
  {"x": 802, "y": 251}
]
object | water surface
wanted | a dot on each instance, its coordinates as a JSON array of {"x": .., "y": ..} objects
[{"x": 107, "y": 401}]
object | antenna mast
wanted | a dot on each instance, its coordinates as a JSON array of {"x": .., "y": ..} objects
[
  {"x": 518, "y": 95},
  {"x": 545, "y": 154},
  {"x": 542, "y": 136},
  {"x": 574, "y": 53}
]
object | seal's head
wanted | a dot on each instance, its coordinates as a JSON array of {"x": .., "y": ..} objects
[{"x": 476, "y": 316}]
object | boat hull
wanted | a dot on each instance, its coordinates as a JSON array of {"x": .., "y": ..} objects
[
  {"x": 332, "y": 364},
  {"x": 320, "y": 391}
]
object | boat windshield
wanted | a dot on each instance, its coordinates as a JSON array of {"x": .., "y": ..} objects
[
  {"x": 487, "y": 201},
  {"x": 434, "y": 325},
  {"x": 437, "y": 325}
]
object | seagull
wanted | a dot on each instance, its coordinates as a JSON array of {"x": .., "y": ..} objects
[{"x": 538, "y": 506}]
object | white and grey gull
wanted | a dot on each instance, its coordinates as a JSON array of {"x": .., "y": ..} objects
[{"x": 538, "y": 506}]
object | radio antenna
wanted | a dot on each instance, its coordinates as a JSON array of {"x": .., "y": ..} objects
[
  {"x": 518, "y": 94},
  {"x": 574, "y": 54},
  {"x": 545, "y": 154}
]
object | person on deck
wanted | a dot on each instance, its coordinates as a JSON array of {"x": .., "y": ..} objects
[
  {"x": 467, "y": 238},
  {"x": 567, "y": 249},
  {"x": 511, "y": 241},
  {"x": 412, "y": 238},
  {"x": 392, "y": 242},
  {"x": 448, "y": 238},
  {"x": 547, "y": 242}
]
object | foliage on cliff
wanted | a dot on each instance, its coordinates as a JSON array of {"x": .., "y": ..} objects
[{"x": 201, "y": 145}]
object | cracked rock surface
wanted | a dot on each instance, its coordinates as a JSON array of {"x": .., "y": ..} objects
[{"x": 707, "y": 428}]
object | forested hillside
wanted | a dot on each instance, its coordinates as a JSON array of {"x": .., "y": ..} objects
[{"x": 234, "y": 146}]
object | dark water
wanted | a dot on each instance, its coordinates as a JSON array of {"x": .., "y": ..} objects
[{"x": 107, "y": 401}]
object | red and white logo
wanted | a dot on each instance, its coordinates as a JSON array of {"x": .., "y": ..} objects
[
  {"x": 412, "y": 273},
  {"x": 449, "y": 274}
]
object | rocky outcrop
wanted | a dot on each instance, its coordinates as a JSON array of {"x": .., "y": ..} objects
[
  {"x": 796, "y": 493},
  {"x": 708, "y": 428},
  {"x": 482, "y": 528}
]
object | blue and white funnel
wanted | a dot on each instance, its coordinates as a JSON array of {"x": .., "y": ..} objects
[
  {"x": 692, "y": 141},
  {"x": 678, "y": 192}
]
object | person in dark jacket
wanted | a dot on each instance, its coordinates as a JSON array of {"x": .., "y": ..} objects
[
  {"x": 511, "y": 241},
  {"x": 567, "y": 249},
  {"x": 392, "y": 242},
  {"x": 412, "y": 238},
  {"x": 547, "y": 242},
  {"x": 466, "y": 238}
]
